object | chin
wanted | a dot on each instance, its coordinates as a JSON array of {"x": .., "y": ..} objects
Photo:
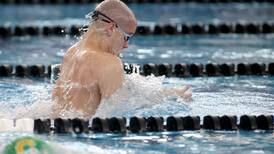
[{"x": 118, "y": 55}]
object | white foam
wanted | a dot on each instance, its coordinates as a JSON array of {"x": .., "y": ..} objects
[
  {"x": 24, "y": 125},
  {"x": 40, "y": 107},
  {"x": 6, "y": 125},
  {"x": 19, "y": 125},
  {"x": 67, "y": 148},
  {"x": 137, "y": 92}
]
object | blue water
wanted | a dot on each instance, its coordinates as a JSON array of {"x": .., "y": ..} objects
[
  {"x": 214, "y": 96},
  {"x": 235, "y": 95},
  {"x": 180, "y": 142},
  {"x": 182, "y": 12},
  {"x": 149, "y": 49},
  {"x": 211, "y": 96}
]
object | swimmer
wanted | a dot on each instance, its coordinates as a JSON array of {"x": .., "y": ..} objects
[{"x": 91, "y": 69}]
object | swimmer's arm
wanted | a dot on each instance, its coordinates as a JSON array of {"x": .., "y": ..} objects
[
  {"x": 184, "y": 92},
  {"x": 109, "y": 77},
  {"x": 110, "y": 81}
]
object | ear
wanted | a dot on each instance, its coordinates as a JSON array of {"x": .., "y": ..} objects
[{"x": 110, "y": 29}]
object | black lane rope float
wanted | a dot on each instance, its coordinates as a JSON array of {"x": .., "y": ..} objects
[
  {"x": 169, "y": 70},
  {"x": 167, "y": 29},
  {"x": 140, "y": 124},
  {"x": 129, "y": 1}
]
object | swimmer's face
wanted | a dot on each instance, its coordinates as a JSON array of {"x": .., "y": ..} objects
[
  {"x": 126, "y": 36},
  {"x": 124, "y": 30},
  {"x": 122, "y": 37}
]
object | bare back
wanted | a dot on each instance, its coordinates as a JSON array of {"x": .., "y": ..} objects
[{"x": 86, "y": 77}]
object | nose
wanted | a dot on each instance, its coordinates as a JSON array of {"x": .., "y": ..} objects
[{"x": 125, "y": 44}]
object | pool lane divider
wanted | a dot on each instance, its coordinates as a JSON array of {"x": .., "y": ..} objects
[
  {"x": 139, "y": 124},
  {"x": 169, "y": 70},
  {"x": 29, "y": 144},
  {"x": 158, "y": 29},
  {"x": 24, "y": 70},
  {"x": 18, "y": 2}
]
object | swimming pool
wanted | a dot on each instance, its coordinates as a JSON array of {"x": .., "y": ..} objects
[{"x": 235, "y": 95}]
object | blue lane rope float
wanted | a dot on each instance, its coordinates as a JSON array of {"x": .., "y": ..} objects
[
  {"x": 155, "y": 124},
  {"x": 42, "y": 126},
  {"x": 79, "y": 126},
  {"x": 137, "y": 124},
  {"x": 168, "y": 29},
  {"x": 30, "y": 70},
  {"x": 228, "y": 122},
  {"x": 212, "y": 122},
  {"x": 248, "y": 122},
  {"x": 191, "y": 123},
  {"x": 169, "y": 70},
  {"x": 5, "y": 70},
  {"x": 18, "y": 2},
  {"x": 117, "y": 125},
  {"x": 62, "y": 126},
  {"x": 174, "y": 123},
  {"x": 150, "y": 124},
  {"x": 99, "y": 125}
]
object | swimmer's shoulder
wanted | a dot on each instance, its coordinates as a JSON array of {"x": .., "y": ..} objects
[
  {"x": 71, "y": 50},
  {"x": 101, "y": 59},
  {"x": 69, "y": 54},
  {"x": 103, "y": 65}
]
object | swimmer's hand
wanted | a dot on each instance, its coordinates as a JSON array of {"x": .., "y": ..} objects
[{"x": 184, "y": 92}]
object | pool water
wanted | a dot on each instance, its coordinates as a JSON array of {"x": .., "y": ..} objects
[
  {"x": 211, "y": 96},
  {"x": 149, "y": 49},
  {"x": 151, "y": 143},
  {"x": 236, "y": 95},
  {"x": 170, "y": 13}
]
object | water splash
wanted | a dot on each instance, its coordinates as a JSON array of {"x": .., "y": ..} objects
[
  {"x": 28, "y": 100},
  {"x": 91, "y": 149},
  {"x": 138, "y": 96}
]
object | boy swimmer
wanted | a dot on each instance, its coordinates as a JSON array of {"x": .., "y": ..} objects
[{"x": 91, "y": 69}]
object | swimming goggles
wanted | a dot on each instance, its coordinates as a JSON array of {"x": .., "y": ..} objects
[{"x": 95, "y": 16}]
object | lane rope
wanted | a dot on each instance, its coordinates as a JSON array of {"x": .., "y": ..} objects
[
  {"x": 169, "y": 70},
  {"x": 166, "y": 29},
  {"x": 141, "y": 124},
  {"x": 53, "y": 2}
]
